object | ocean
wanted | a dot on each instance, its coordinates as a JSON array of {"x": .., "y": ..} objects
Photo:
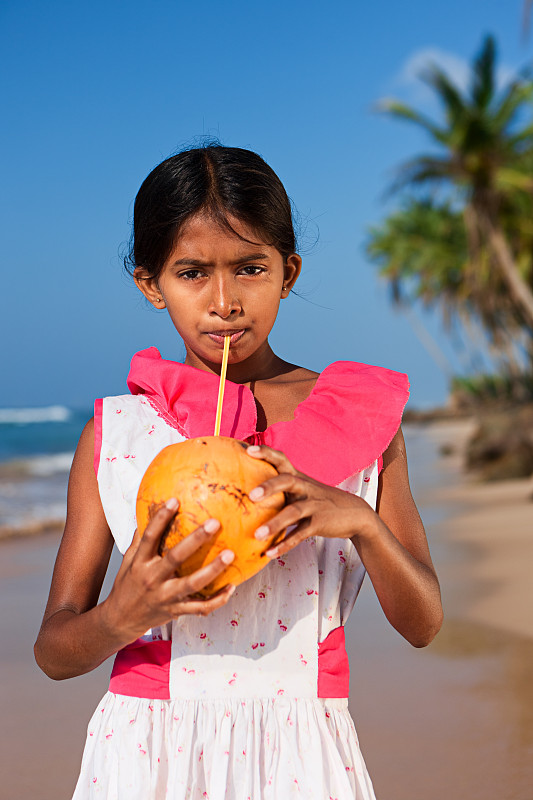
[{"x": 36, "y": 450}]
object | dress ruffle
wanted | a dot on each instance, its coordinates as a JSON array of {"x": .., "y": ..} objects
[
  {"x": 284, "y": 748},
  {"x": 346, "y": 423}
]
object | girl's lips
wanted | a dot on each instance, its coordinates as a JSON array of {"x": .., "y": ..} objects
[{"x": 219, "y": 336}]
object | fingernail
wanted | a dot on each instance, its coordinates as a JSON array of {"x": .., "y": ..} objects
[
  {"x": 172, "y": 504},
  {"x": 227, "y": 556},
  {"x": 256, "y": 493},
  {"x": 262, "y": 532},
  {"x": 254, "y": 448},
  {"x": 211, "y": 525},
  {"x": 231, "y": 589},
  {"x": 273, "y": 553}
]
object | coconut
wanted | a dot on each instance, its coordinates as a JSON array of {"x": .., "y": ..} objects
[{"x": 211, "y": 477}]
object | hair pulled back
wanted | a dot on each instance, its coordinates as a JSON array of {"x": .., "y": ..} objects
[{"x": 215, "y": 180}]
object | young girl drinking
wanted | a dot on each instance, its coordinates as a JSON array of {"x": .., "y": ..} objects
[{"x": 242, "y": 696}]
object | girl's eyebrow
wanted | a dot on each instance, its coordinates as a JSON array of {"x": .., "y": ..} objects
[{"x": 196, "y": 262}]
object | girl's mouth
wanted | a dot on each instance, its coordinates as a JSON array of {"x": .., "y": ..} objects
[{"x": 219, "y": 336}]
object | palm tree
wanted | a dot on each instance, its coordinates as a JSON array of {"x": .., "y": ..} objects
[
  {"x": 422, "y": 251},
  {"x": 484, "y": 163}
]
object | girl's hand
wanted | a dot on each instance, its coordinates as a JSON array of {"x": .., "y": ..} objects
[
  {"x": 391, "y": 541},
  {"x": 78, "y": 632},
  {"x": 313, "y": 509},
  {"x": 147, "y": 591}
]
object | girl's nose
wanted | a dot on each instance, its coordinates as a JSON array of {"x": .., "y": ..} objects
[{"x": 224, "y": 300}]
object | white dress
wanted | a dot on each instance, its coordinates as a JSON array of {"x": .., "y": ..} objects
[{"x": 244, "y": 718}]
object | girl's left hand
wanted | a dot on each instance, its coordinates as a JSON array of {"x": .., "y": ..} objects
[
  {"x": 314, "y": 508},
  {"x": 391, "y": 541}
]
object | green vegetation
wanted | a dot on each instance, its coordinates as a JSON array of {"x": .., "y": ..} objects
[
  {"x": 470, "y": 392},
  {"x": 462, "y": 239}
]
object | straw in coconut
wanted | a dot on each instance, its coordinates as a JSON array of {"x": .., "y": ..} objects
[{"x": 221, "y": 385}]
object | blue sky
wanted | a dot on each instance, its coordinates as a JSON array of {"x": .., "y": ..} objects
[{"x": 96, "y": 94}]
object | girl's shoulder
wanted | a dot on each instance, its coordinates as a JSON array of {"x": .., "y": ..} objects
[{"x": 345, "y": 423}]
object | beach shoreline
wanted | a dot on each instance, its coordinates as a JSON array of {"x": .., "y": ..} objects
[{"x": 31, "y": 529}]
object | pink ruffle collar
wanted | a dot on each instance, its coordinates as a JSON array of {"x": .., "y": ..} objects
[{"x": 346, "y": 423}]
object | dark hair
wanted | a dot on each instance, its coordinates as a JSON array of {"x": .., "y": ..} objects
[{"x": 217, "y": 180}]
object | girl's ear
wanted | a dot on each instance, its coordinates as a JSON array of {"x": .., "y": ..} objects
[
  {"x": 148, "y": 285},
  {"x": 291, "y": 270}
]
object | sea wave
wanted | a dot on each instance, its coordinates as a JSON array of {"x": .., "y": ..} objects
[
  {"x": 44, "y": 466},
  {"x": 33, "y": 491},
  {"x": 31, "y": 528},
  {"x": 25, "y": 416}
]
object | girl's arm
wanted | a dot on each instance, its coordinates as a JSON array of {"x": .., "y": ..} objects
[
  {"x": 77, "y": 634},
  {"x": 395, "y": 552},
  {"x": 391, "y": 542}
]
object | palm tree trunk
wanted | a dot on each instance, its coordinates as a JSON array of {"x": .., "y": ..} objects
[{"x": 518, "y": 288}]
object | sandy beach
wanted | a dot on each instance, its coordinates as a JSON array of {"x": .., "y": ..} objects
[{"x": 454, "y": 720}]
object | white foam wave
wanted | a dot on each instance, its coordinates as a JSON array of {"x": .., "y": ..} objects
[
  {"x": 44, "y": 466},
  {"x": 24, "y": 416},
  {"x": 39, "y": 514}
]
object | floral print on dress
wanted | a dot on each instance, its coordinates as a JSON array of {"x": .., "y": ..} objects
[
  {"x": 285, "y": 748},
  {"x": 242, "y": 680}
]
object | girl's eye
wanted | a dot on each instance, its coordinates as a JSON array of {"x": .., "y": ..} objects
[
  {"x": 191, "y": 274},
  {"x": 252, "y": 269}
]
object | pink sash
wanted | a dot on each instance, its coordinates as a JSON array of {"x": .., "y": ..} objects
[{"x": 142, "y": 669}]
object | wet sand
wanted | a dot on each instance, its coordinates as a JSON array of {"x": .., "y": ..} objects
[{"x": 454, "y": 720}]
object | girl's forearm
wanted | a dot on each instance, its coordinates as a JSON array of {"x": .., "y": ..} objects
[
  {"x": 408, "y": 590},
  {"x": 71, "y": 643}
]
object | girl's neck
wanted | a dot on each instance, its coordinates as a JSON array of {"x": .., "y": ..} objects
[{"x": 263, "y": 365}]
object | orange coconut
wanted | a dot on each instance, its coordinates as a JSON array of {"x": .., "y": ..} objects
[{"x": 211, "y": 476}]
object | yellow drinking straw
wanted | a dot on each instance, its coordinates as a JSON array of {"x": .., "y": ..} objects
[{"x": 221, "y": 385}]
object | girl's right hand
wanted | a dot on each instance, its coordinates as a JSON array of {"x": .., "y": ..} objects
[{"x": 147, "y": 591}]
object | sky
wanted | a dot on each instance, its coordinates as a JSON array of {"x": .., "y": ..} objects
[{"x": 96, "y": 94}]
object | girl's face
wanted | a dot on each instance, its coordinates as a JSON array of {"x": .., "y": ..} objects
[{"x": 214, "y": 284}]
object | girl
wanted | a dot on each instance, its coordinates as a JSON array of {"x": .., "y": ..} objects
[{"x": 243, "y": 695}]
